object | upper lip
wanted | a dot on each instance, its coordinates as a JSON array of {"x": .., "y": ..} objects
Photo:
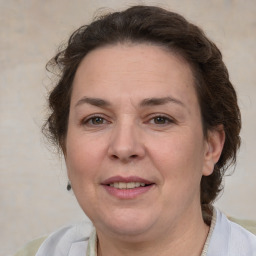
[{"x": 125, "y": 179}]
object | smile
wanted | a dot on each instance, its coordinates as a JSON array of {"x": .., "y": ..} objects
[{"x": 127, "y": 185}]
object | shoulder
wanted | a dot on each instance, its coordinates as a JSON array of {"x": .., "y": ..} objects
[
  {"x": 67, "y": 239},
  {"x": 241, "y": 240},
  {"x": 247, "y": 224},
  {"x": 31, "y": 248},
  {"x": 71, "y": 239},
  {"x": 229, "y": 238}
]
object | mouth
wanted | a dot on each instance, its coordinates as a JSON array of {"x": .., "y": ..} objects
[
  {"x": 126, "y": 182},
  {"x": 127, "y": 187}
]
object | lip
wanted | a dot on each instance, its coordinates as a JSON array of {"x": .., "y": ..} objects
[{"x": 129, "y": 193}]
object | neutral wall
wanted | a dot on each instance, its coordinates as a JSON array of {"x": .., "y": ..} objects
[{"x": 33, "y": 199}]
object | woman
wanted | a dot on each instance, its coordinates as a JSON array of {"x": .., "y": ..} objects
[{"x": 148, "y": 122}]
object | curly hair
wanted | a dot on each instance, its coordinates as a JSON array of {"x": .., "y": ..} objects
[{"x": 153, "y": 25}]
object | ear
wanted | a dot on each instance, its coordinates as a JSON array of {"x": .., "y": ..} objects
[{"x": 214, "y": 144}]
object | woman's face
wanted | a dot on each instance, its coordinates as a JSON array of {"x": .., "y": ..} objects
[{"x": 135, "y": 149}]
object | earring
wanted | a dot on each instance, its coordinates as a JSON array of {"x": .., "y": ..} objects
[{"x": 69, "y": 186}]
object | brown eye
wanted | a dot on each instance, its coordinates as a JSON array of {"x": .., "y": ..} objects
[
  {"x": 97, "y": 120},
  {"x": 161, "y": 120},
  {"x": 94, "y": 121}
]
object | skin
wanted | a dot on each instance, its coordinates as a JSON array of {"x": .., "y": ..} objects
[{"x": 160, "y": 141}]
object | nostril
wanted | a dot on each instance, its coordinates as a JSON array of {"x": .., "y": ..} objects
[{"x": 124, "y": 158}]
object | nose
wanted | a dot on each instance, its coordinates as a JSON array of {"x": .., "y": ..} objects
[{"x": 126, "y": 143}]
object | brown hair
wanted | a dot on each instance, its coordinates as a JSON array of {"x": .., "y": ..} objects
[{"x": 149, "y": 24}]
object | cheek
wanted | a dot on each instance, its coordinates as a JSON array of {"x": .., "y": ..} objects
[
  {"x": 83, "y": 169},
  {"x": 178, "y": 156},
  {"x": 83, "y": 157}
]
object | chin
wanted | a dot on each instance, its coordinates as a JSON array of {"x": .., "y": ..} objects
[{"x": 129, "y": 225}]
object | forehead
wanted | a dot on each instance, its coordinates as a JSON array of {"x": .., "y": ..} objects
[{"x": 135, "y": 71}]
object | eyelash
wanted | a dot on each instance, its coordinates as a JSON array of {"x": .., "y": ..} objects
[
  {"x": 167, "y": 120},
  {"x": 89, "y": 120}
]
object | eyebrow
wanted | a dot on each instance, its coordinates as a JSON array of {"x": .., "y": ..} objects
[
  {"x": 93, "y": 101},
  {"x": 160, "y": 101},
  {"x": 144, "y": 103}
]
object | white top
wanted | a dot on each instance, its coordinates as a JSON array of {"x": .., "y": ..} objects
[{"x": 224, "y": 239}]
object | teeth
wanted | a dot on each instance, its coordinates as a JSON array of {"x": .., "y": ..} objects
[
  {"x": 124, "y": 185},
  {"x": 130, "y": 185},
  {"x": 137, "y": 184}
]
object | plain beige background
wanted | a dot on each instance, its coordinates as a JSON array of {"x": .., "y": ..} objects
[{"x": 33, "y": 196}]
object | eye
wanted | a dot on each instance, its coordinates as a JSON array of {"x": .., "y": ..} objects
[
  {"x": 94, "y": 121},
  {"x": 97, "y": 120},
  {"x": 161, "y": 120}
]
